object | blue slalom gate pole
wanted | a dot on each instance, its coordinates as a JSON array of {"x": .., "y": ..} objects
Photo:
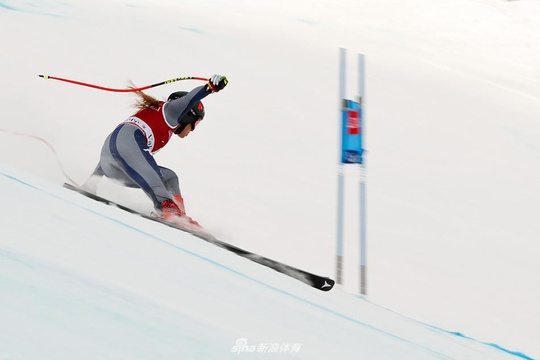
[
  {"x": 341, "y": 185},
  {"x": 352, "y": 152},
  {"x": 363, "y": 233}
]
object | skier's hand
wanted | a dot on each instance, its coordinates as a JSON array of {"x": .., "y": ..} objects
[{"x": 217, "y": 82}]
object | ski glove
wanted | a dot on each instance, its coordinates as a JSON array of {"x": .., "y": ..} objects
[{"x": 217, "y": 82}]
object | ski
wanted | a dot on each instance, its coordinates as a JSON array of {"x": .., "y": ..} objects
[{"x": 316, "y": 281}]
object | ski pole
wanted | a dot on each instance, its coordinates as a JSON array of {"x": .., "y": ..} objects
[{"x": 123, "y": 90}]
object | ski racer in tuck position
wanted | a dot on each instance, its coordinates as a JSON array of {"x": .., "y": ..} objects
[{"x": 127, "y": 154}]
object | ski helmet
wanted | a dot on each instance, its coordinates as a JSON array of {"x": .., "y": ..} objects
[{"x": 195, "y": 114}]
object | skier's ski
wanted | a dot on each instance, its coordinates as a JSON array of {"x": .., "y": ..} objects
[{"x": 316, "y": 281}]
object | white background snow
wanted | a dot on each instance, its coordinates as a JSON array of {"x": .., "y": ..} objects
[{"x": 452, "y": 134}]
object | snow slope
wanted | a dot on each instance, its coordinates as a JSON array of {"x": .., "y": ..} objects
[
  {"x": 452, "y": 134},
  {"x": 89, "y": 281}
]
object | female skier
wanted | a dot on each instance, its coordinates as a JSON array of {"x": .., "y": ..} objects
[{"x": 127, "y": 154}]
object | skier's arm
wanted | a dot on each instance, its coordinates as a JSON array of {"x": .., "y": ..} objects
[{"x": 176, "y": 109}]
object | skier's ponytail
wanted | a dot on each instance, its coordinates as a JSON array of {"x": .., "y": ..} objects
[{"x": 144, "y": 100}]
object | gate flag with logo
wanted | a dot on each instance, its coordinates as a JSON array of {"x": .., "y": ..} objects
[{"x": 351, "y": 139}]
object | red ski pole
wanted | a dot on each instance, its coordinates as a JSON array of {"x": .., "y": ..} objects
[{"x": 123, "y": 90}]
